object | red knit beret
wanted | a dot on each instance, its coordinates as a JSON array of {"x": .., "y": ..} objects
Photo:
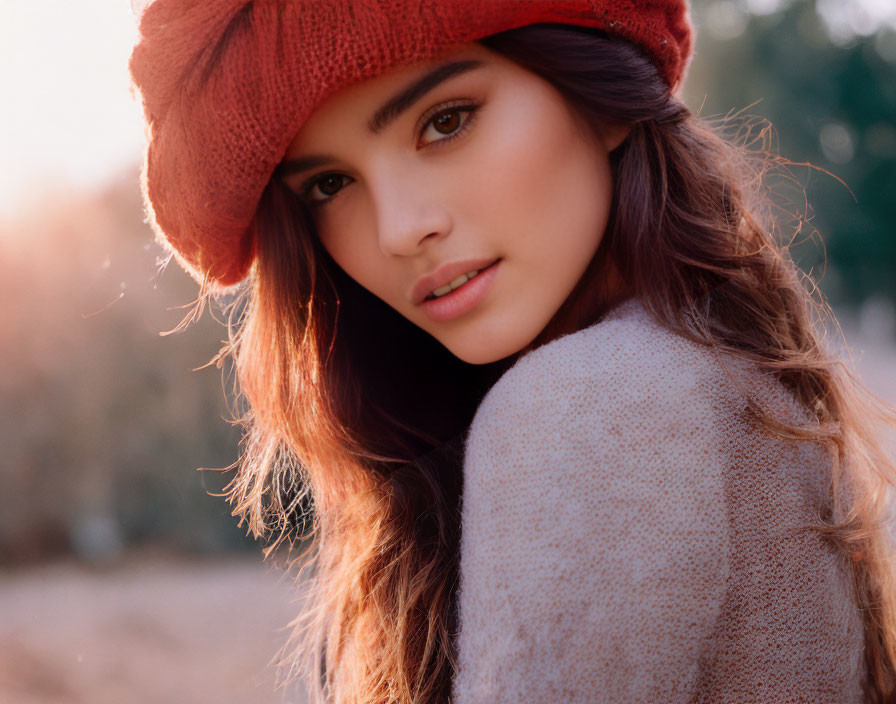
[{"x": 226, "y": 85}]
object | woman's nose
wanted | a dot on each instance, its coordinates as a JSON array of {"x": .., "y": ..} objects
[{"x": 410, "y": 210}]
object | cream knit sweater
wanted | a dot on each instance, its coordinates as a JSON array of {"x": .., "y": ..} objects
[{"x": 630, "y": 536}]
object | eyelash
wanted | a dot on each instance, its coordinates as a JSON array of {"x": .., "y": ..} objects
[{"x": 467, "y": 108}]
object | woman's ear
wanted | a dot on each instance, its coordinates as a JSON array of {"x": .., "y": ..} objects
[{"x": 613, "y": 134}]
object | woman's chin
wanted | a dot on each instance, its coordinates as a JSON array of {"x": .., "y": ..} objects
[{"x": 490, "y": 342}]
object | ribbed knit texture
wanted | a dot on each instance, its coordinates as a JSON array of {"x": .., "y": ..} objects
[
  {"x": 631, "y": 535},
  {"x": 226, "y": 85}
]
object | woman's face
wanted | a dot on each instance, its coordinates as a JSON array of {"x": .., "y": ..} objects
[{"x": 468, "y": 163}]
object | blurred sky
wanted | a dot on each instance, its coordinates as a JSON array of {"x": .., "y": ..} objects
[
  {"x": 843, "y": 19},
  {"x": 69, "y": 120}
]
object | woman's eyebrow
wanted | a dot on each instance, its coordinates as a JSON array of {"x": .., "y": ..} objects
[
  {"x": 390, "y": 111},
  {"x": 416, "y": 90}
]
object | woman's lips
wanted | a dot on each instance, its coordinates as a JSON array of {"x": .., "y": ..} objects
[
  {"x": 445, "y": 274},
  {"x": 464, "y": 298}
]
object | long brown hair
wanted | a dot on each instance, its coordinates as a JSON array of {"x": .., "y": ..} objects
[{"x": 355, "y": 418}]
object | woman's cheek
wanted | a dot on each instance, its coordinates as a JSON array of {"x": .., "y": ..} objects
[{"x": 338, "y": 228}]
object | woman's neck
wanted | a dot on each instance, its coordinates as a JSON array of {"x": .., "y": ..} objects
[{"x": 599, "y": 291}]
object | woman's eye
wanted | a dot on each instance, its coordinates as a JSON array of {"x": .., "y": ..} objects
[
  {"x": 448, "y": 123},
  {"x": 321, "y": 189}
]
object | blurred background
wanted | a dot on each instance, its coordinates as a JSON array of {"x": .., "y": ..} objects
[{"x": 122, "y": 576}]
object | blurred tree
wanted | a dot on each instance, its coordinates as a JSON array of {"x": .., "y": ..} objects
[
  {"x": 825, "y": 73},
  {"x": 105, "y": 422}
]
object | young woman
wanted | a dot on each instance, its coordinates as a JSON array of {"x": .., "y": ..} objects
[{"x": 518, "y": 343}]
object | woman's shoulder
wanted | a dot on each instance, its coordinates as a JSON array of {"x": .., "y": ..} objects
[
  {"x": 593, "y": 519},
  {"x": 624, "y": 402},
  {"x": 630, "y": 407},
  {"x": 627, "y": 364}
]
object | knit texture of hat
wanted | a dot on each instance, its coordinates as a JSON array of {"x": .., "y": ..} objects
[{"x": 227, "y": 84}]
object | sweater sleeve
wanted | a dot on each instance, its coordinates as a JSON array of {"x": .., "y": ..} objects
[{"x": 594, "y": 551}]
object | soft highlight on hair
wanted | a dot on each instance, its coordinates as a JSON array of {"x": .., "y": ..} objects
[{"x": 355, "y": 418}]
